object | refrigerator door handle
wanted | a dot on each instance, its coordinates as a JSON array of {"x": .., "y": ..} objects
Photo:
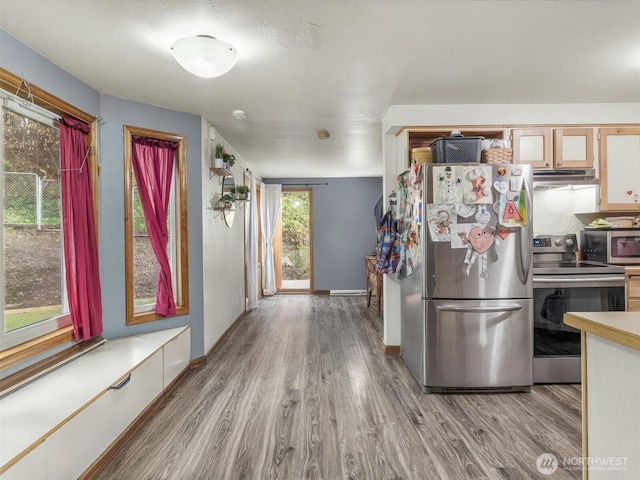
[
  {"x": 502, "y": 308},
  {"x": 525, "y": 240}
]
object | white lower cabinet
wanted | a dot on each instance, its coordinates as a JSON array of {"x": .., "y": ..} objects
[
  {"x": 31, "y": 467},
  {"x": 176, "y": 356},
  {"x": 76, "y": 445},
  {"x": 91, "y": 415}
]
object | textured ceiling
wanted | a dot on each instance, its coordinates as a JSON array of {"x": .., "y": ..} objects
[{"x": 306, "y": 65}]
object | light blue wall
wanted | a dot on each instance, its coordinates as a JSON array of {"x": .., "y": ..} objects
[
  {"x": 343, "y": 228},
  {"x": 118, "y": 112},
  {"x": 19, "y": 59}
]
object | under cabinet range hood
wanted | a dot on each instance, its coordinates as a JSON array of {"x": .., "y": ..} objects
[{"x": 564, "y": 178}]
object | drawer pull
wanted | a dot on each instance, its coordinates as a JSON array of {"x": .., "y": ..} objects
[{"x": 120, "y": 385}]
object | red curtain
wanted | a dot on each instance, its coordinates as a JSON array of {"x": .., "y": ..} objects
[
  {"x": 79, "y": 232},
  {"x": 153, "y": 169}
]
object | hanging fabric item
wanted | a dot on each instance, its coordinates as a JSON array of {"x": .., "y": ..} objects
[{"x": 389, "y": 249}]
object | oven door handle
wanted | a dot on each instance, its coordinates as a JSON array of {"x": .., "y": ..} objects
[
  {"x": 577, "y": 280},
  {"x": 503, "y": 308}
]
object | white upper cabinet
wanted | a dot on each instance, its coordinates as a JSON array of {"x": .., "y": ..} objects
[
  {"x": 573, "y": 147},
  {"x": 553, "y": 147},
  {"x": 532, "y": 146},
  {"x": 620, "y": 169}
]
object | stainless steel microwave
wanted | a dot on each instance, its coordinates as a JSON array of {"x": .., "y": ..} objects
[{"x": 619, "y": 246}]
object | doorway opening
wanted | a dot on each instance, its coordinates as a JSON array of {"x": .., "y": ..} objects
[{"x": 293, "y": 249}]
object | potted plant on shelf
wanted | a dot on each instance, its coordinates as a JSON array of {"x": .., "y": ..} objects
[
  {"x": 229, "y": 159},
  {"x": 227, "y": 200},
  {"x": 242, "y": 192},
  {"x": 218, "y": 161}
]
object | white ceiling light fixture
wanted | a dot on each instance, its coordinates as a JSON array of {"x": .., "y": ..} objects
[
  {"x": 239, "y": 114},
  {"x": 204, "y": 56}
]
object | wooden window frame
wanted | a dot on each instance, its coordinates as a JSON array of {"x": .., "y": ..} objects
[
  {"x": 182, "y": 271},
  {"x": 13, "y": 83}
]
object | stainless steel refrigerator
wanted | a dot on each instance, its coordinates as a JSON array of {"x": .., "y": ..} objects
[{"x": 466, "y": 279}]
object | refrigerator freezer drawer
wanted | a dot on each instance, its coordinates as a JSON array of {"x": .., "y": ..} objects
[{"x": 475, "y": 345}]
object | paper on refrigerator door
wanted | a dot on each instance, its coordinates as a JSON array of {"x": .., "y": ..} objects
[
  {"x": 440, "y": 220},
  {"x": 447, "y": 186},
  {"x": 513, "y": 209},
  {"x": 477, "y": 181}
]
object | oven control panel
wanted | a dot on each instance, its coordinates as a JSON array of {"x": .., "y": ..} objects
[
  {"x": 542, "y": 242},
  {"x": 555, "y": 243}
]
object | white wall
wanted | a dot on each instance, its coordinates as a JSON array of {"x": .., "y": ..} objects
[
  {"x": 399, "y": 116},
  {"x": 223, "y": 250},
  {"x": 553, "y": 212}
]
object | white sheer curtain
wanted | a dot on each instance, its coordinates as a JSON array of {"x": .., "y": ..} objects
[
  {"x": 252, "y": 247},
  {"x": 270, "y": 206}
]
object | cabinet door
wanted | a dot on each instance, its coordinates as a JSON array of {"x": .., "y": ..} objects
[
  {"x": 80, "y": 441},
  {"x": 633, "y": 296},
  {"x": 633, "y": 289},
  {"x": 532, "y": 146},
  {"x": 32, "y": 467},
  {"x": 620, "y": 169},
  {"x": 573, "y": 147},
  {"x": 176, "y": 356}
]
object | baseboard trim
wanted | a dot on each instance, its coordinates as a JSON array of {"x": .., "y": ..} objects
[
  {"x": 198, "y": 362},
  {"x": 224, "y": 336},
  {"x": 322, "y": 292},
  {"x": 391, "y": 349}
]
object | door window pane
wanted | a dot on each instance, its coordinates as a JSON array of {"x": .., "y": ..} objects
[{"x": 296, "y": 240}]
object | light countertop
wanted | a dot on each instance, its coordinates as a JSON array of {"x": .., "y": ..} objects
[{"x": 619, "y": 327}]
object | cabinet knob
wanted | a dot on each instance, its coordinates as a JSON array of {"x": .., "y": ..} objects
[
  {"x": 559, "y": 163},
  {"x": 548, "y": 164}
]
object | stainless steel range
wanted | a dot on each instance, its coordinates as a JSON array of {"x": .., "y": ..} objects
[{"x": 561, "y": 283}]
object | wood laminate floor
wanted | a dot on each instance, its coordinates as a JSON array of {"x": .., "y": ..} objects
[{"x": 301, "y": 389}]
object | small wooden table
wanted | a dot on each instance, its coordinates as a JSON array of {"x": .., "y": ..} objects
[{"x": 374, "y": 281}]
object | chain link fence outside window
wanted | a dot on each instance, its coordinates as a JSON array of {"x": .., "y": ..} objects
[{"x": 31, "y": 201}]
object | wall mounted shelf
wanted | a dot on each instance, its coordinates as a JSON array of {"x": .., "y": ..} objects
[
  {"x": 219, "y": 211},
  {"x": 221, "y": 172}
]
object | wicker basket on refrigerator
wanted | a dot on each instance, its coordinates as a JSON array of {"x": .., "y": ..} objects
[{"x": 496, "y": 155}]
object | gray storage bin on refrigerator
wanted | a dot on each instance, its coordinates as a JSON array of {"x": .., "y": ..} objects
[{"x": 456, "y": 149}]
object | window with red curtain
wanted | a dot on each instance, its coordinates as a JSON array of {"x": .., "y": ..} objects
[
  {"x": 153, "y": 166},
  {"x": 79, "y": 233}
]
